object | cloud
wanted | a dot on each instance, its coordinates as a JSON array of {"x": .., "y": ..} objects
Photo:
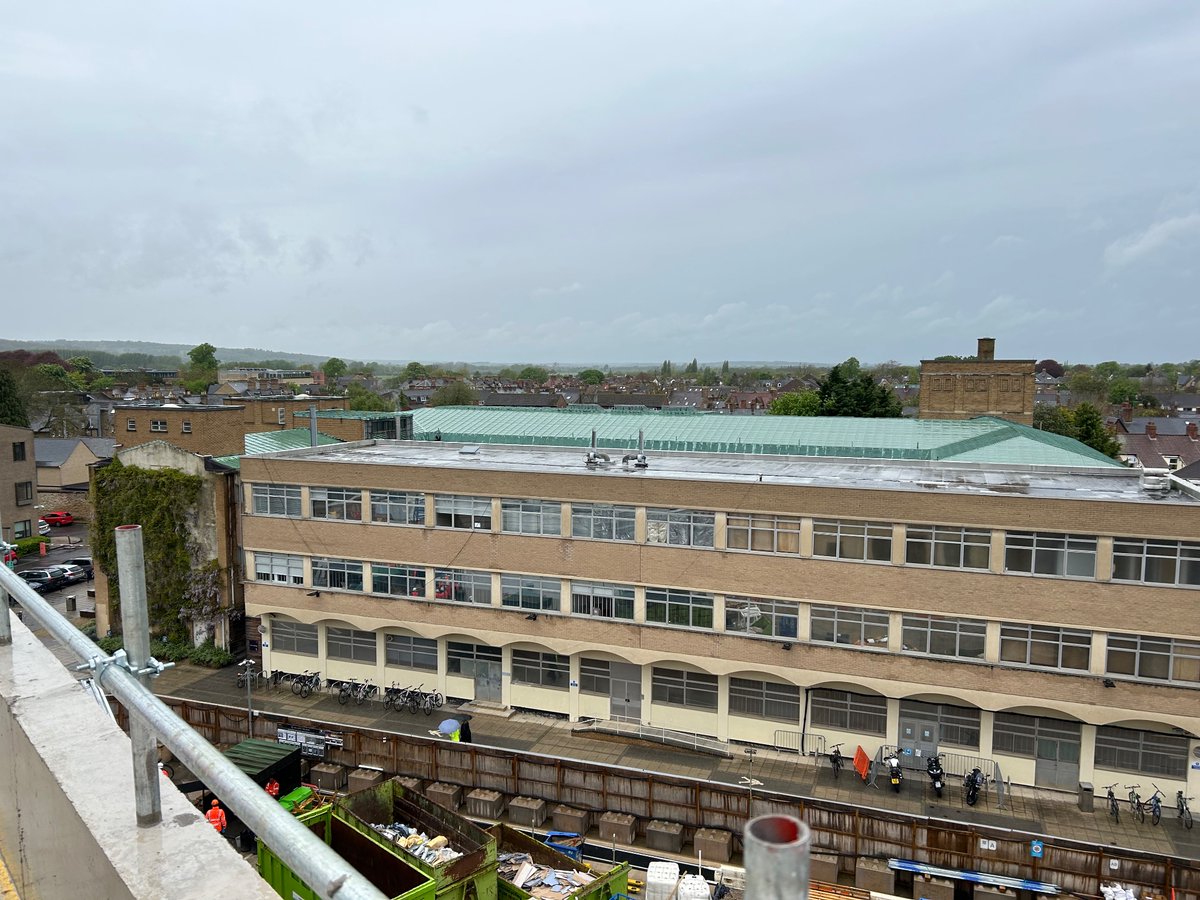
[
  {"x": 573, "y": 288},
  {"x": 1006, "y": 240},
  {"x": 1133, "y": 248}
]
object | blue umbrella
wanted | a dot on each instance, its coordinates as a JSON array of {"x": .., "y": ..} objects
[{"x": 449, "y": 726}]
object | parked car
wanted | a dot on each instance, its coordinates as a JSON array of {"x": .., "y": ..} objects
[
  {"x": 61, "y": 517},
  {"x": 70, "y": 574},
  {"x": 43, "y": 580},
  {"x": 43, "y": 526},
  {"x": 85, "y": 563}
]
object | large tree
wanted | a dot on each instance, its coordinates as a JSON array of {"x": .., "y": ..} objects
[
  {"x": 334, "y": 368},
  {"x": 456, "y": 393},
  {"x": 12, "y": 406},
  {"x": 591, "y": 376},
  {"x": 1090, "y": 430},
  {"x": 799, "y": 403},
  {"x": 363, "y": 399},
  {"x": 848, "y": 391},
  {"x": 203, "y": 369}
]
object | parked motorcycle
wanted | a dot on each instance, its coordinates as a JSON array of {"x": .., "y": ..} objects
[
  {"x": 937, "y": 775},
  {"x": 972, "y": 784},
  {"x": 895, "y": 773}
]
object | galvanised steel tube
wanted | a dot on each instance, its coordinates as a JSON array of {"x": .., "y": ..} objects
[
  {"x": 775, "y": 853},
  {"x": 314, "y": 862}
]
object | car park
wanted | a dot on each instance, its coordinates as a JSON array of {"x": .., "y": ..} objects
[
  {"x": 43, "y": 526},
  {"x": 85, "y": 563},
  {"x": 70, "y": 574},
  {"x": 58, "y": 518},
  {"x": 43, "y": 580}
]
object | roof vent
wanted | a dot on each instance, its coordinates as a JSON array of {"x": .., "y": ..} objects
[
  {"x": 469, "y": 450},
  {"x": 595, "y": 458},
  {"x": 1156, "y": 482},
  {"x": 638, "y": 459}
]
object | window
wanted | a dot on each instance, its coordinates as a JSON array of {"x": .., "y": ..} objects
[
  {"x": 542, "y": 669},
  {"x": 849, "y": 625},
  {"x": 1144, "y": 752},
  {"x": 1044, "y": 646},
  {"x": 602, "y": 522},
  {"x": 766, "y": 534},
  {"x": 764, "y": 700},
  {"x": 1054, "y": 555},
  {"x": 462, "y": 586},
  {"x": 275, "y": 499},
  {"x": 680, "y": 527},
  {"x": 528, "y": 592},
  {"x": 343, "y": 574},
  {"x": 857, "y": 713},
  {"x": 463, "y": 512},
  {"x": 1163, "y": 658},
  {"x": 607, "y": 601},
  {"x": 278, "y": 567},
  {"x": 18, "y": 451},
  {"x": 22, "y": 529},
  {"x": 351, "y": 644},
  {"x": 336, "y": 503},
  {"x": 159, "y": 425},
  {"x": 765, "y": 618},
  {"x": 957, "y": 725},
  {"x": 293, "y": 637},
  {"x": 399, "y": 581},
  {"x": 131, "y": 424},
  {"x": 865, "y": 541},
  {"x": 1156, "y": 562},
  {"x": 466, "y": 659},
  {"x": 410, "y": 652},
  {"x": 948, "y": 548},
  {"x": 594, "y": 676},
  {"x": 186, "y": 427},
  {"x": 686, "y": 608},
  {"x": 531, "y": 517},
  {"x": 24, "y": 490},
  {"x": 1018, "y": 735},
  {"x": 693, "y": 690},
  {"x": 941, "y": 636},
  {"x": 397, "y": 508}
]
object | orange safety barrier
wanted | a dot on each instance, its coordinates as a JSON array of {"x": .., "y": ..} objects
[{"x": 862, "y": 763}]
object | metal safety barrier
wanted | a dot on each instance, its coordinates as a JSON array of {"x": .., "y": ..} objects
[{"x": 313, "y": 861}]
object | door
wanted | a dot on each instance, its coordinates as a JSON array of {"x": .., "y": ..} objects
[
  {"x": 918, "y": 740},
  {"x": 1056, "y": 763},
  {"x": 625, "y": 692},
  {"x": 487, "y": 681}
]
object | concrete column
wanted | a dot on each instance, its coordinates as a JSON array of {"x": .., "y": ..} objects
[
  {"x": 1098, "y": 662},
  {"x": 720, "y": 521},
  {"x": 804, "y": 623},
  {"x": 565, "y": 520},
  {"x": 308, "y": 576},
  {"x": 647, "y": 694},
  {"x": 496, "y": 514},
  {"x": 722, "y": 707},
  {"x": 431, "y": 585},
  {"x": 442, "y": 666},
  {"x": 1104, "y": 558},
  {"x": 806, "y": 537},
  {"x": 322, "y": 659},
  {"x": 506, "y": 676},
  {"x": 991, "y": 642},
  {"x": 1087, "y": 754},
  {"x": 366, "y": 505},
  {"x": 639, "y": 604},
  {"x": 987, "y": 725},
  {"x": 996, "y": 559},
  {"x": 380, "y": 660},
  {"x": 718, "y": 612},
  {"x": 430, "y": 515},
  {"x": 573, "y": 686},
  {"x": 305, "y": 501},
  {"x": 564, "y": 596},
  {"x": 893, "y": 721},
  {"x": 496, "y": 599},
  {"x": 899, "y": 543},
  {"x": 895, "y": 632},
  {"x": 639, "y": 525}
]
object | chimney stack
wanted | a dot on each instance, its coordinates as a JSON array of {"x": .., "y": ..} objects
[
  {"x": 1151, "y": 430},
  {"x": 1127, "y": 411},
  {"x": 987, "y": 350},
  {"x": 1191, "y": 431}
]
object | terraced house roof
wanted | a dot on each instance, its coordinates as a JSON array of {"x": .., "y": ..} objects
[{"x": 981, "y": 440}]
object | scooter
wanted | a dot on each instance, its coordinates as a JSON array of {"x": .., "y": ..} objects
[
  {"x": 937, "y": 775},
  {"x": 971, "y": 785},
  {"x": 895, "y": 773}
]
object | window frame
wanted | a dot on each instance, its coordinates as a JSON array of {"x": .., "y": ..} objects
[
  {"x": 763, "y": 533},
  {"x": 681, "y": 688},
  {"x": 270, "y": 499},
  {"x": 398, "y": 647},
  {"x": 354, "y": 641},
  {"x": 464, "y": 512},
  {"x": 535, "y": 668},
  {"x": 1183, "y": 557},
  {"x": 873, "y": 539},
  {"x": 782, "y": 617},
  {"x": 531, "y": 517},
  {"x": 1040, "y": 640},
  {"x": 948, "y": 547},
  {"x": 530, "y": 592},
  {"x": 282, "y": 568},
  {"x": 23, "y": 491},
  {"x": 848, "y": 711},
  {"x": 298, "y": 634},
  {"x": 396, "y": 507},
  {"x": 595, "y": 676},
  {"x": 679, "y": 608},
  {"x": 1040, "y": 546},
  {"x": 929, "y": 625},
  {"x": 158, "y": 426},
  {"x": 335, "y": 504},
  {"x": 18, "y": 451},
  {"x": 131, "y": 424},
  {"x": 855, "y": 618},
  {"x": 958, "y": 726},
  {"x": 602, "y": 600},
  {"x": 457, "y": 653},
  {"x": 603, "y": 522},
  {"x": 679, "y": 527},
  {"x": 758, "y": 699},
  {"x": 1115, "y": 746},
  {"x": 409, "y": 579},
  {"x": 334, "y": 574},
  {"x": 449, "y": 584},
  {"x": 1148, "y": 655}
]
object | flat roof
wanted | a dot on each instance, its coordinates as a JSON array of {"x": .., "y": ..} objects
[
  {"x": 985, "y": 439},
  {"x": 1115, "y": 483}
]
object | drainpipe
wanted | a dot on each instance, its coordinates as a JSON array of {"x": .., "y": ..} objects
[
  {"x": 804, "y": 722},
  {"x": 312, "y": 425}
]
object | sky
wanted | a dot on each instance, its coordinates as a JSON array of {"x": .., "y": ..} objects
[{"x": 556, "y": 181}]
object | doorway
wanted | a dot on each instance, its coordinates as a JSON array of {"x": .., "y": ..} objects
[
  {"x": 625, "y": 692},
  {"x": 487, "y": 681}
]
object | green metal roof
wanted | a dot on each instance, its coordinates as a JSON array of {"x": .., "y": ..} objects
[
  {"x": 254, "y": 756},
  {"x": 348, "y": 414},
  {"x": 272, "y": 441},
  {"x": 980, "y": 440}
]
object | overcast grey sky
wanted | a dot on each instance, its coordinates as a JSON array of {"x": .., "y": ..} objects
[{"x": 556, "y": 181}]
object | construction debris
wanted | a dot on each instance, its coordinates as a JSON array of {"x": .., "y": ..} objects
[
  {"x": 539, "y": 881},
  {"x": 433, "y": 851}
]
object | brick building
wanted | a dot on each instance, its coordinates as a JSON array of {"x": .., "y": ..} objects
[
  {"x": 978, "y": 588},
  {"x": 984, "y": 386},
  {"x": 18, "y": 484}
]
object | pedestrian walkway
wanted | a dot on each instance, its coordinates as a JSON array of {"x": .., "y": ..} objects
[{"x": 1027, "y": 809}]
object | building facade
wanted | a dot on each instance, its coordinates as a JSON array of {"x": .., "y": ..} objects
[
  {"x": 1044, "y": 616},
  {"x": 984, "y": 386},
  {"x": 18, "y": 484}
]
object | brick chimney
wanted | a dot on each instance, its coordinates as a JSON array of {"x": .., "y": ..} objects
[
  {"x": 1191, "y": 431},
  {"x": 1151, "y": 431},
  {"x": 987, "y": 350},
  {"x": 1126, "y": 411}
]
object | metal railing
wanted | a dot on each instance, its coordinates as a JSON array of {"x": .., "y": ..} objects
[
  {"x": 799, "y": 742},
  {"x": 953, "y": 764},
  {"x": 310, "y": 858},
  {"x": 684, "y": 739}
]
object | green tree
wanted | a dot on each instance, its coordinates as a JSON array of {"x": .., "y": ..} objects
[
  {"x": 848, "y": 391},
  {"x": 591, "y": 376},
  {"x": 204, "y": 356},
  {"x": 691, "y": 368},
  {"x": 363, "y": 399},
  {"x": 725, "y": 372},
  {"x": 1090, "y": 430},
  {"x": 1054, "y": 419},
  {"x": 536, "y": 374},
  {"x": 334, "y": 368},
  {"x": 1122, "y": 389},
  {"x": 203, "y": 370},
  {"x": 665, "y": 371},
  {"x": 456, "y": 393},
  {"x": 12, "y": 406},
  {"x": 414, "y": 371},
  {"x": 798, "y": 403},
  {"x": 1087, "y": 386}
]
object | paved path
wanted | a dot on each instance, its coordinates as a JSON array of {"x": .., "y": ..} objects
[{"x": 1034, "y": 810}]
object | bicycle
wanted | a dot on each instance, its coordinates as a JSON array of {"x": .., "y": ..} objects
[
  {"x": 364, "y": 692},
  {"x": 251, "y": 673},
  {"x": 304, "y": 685},
  {"x": 1181, "y": 805},
  {"x": 1135, "y": 803},
  {"x": 1114, "y": 807},
  {"x": 1155, "y": 804},
  {"x": 393, "y": 697},
  {"x": 835, "y": 760}
]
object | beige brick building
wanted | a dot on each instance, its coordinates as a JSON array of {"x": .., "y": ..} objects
[
  {"x": 18, "y": 484},
  {"x": 985, "y": 386},
  {"x": 1039, "y": 614}
]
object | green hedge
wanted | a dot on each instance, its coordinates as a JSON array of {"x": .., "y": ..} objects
[
  {"x": 29, "y": 546},
  {"x": 211, "y": 656}
]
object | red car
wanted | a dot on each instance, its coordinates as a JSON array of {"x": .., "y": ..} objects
[{"x": 59, "y": 518}]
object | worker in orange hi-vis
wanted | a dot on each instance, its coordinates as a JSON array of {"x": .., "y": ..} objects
[
  {"x": 273, "y": 788},
  {"x": 216, "y": 817}
]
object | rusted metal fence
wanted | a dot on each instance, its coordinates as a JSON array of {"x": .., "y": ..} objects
[{"x": 842, "y": 829}]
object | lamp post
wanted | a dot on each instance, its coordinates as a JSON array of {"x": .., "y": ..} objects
[
  {"x": 247, "y": 673},
  {"x": 750, "y": 781}
]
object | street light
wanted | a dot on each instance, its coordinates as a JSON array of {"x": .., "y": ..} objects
[
  {"x": 248, "y": 665},
  {"x": 750, "y": 781}
]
